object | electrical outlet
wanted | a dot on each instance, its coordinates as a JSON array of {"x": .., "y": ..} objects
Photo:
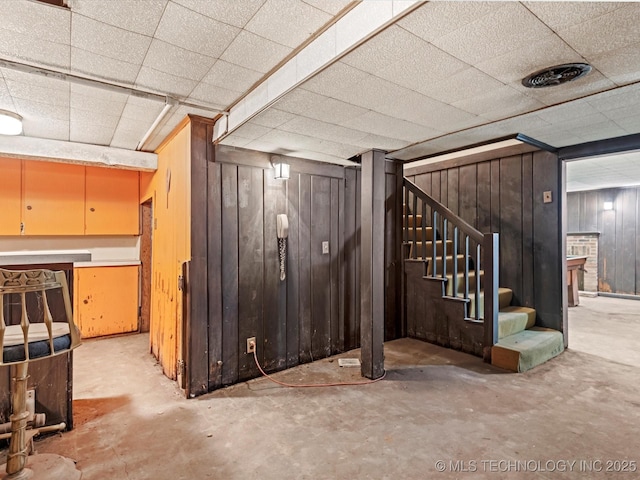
[
  {"x": 546, "y": 197},
  {"x": 325, "y": 248},
  {"x": 251, "y": 344}
]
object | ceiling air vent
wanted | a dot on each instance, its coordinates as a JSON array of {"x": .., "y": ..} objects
[{"x": 550, "y": 77}]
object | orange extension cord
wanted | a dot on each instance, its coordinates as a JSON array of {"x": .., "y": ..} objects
[{"x": 312, "y": 385}]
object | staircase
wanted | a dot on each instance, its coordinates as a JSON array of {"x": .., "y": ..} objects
[{"x": 465, "y": 263}]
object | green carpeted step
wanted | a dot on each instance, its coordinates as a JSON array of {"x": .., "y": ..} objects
[
  {"x": 460, "y": 284},
  {"x": 416, "y": 234},
  {"x": 527, "y": 349},
  {"x": 514, "y": 319},
  {"x": 429, "y": 246},
  {"x": 440, "y": 263},
  {"x": 504, "y": 300}
]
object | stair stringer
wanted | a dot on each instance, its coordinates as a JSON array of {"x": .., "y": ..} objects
[{"x": 435, "y": 318}]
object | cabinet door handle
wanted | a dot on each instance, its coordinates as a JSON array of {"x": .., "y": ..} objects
[
  {"x": 29, "y": 207},
  {"x": 92, "y": 209}
]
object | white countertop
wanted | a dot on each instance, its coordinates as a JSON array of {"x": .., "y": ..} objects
[{"x": 40, "y": 257}]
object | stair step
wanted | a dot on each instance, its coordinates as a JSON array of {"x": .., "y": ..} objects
[
  {"x": 527, "y": 349},
  {"x": 413, "y": 220},
  {"x": 514, "y": 319},
  {"x": 472, "y": 282},
  {"x": 440, "y": 262},
  {"x": 415, "y": 234},
  {"x": 417, "y": 247},
  {"x": 504, "y": 300}
]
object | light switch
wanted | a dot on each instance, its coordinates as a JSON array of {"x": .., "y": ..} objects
[
  {"x": 546, "y": 197},
  {"x": 325, "y": 248}
]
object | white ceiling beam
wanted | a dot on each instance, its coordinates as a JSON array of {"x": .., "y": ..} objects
[
  {"x": 32, "y": 148},
  {"x": 361, "y": 23}
]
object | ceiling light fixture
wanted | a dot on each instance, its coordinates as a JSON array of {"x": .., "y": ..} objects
[
  {"x": 281, "y": 168},
  {"x": 552, "y": 76},
  {"x": 10, "y": 123},
  {"x": 608, "y": 205}
]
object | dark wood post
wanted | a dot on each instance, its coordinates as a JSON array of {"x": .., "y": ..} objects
[{"x": 372, "y": 264}]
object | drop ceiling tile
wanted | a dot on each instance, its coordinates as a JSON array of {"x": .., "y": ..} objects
[
  {"x": 332, "y": 7},
  {"x": 437, "y": 19},
  {"x": 133, "y": 15},
  {"x": 312, "y": 105},
  {"x": 125, "y": 139},
  {"x": 29, "y": 108},
  {"x": 232, "y": 77},
  {"x": 164, "y": 83},
  {"x": 287, "y": 22},
  {"x": 177, "y": 61},
  {"x": 617, "y": 29},
  {"x": 99, "y": 66},
  {"x": 499, "y": 103},
  {"x": 621, "y": 113},
  {"x": 515, "y": 65},
  {"x": 29, "y": 79},
  {"x": 251, "y": 131},
  {"x": 41, "y": 127},
  {"x": 87, "y": 133},
  {"x": 203, "y": 34},
  {"x": 568, "y": 112},
  {"x": 217, "y": 97},
  {"x": 48, "y": 92},
  {"x": 141, "y": 111},
  {"x": 510, "y": 27},
  {"x": 256, "y": 53},
  {"x": 380, "y": 142},
  {"x": 467, "y": 84},
  {"x": 389, "y": 46},
  {"x": 97, "y": 100},
  {"x": 426, "y": 65},
  {"x": 272, "y": 118},
  {"x": 616, "y": 98},
  {"x": 359, "y": 22},
  {"x": 98, "y": 37},
  {"x": 20, "y": 47},
  {"x": 384, "y": 125},
  {"x": 594, "y": 82},
  {"x": 231, "y": 12},
  {"x": 234, "y": 140},
  {"x": 95, "y": 119},
  {"x": 630, "y": 124},
  {"x": 36, "y": 20},
  {"x": 326, "y": 131},
  {"x": 335, "y": 80},
  {"x": 559, "y": 14},
  {"x": 620, "y": 66},
  {"x": 599, "y": 131}
]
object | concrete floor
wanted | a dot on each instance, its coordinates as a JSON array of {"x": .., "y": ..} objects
[{"x": 435, "y": 405}]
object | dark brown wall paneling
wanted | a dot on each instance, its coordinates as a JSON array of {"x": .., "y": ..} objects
[
  {"x": 314, "y": 313},
  {"x": 504, "y": 195},
  {"x": 619, "y": 245}
]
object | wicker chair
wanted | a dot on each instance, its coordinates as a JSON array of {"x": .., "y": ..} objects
[{"x": 28, "y": 295}]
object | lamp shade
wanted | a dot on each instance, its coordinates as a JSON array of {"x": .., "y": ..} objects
[
  {"x": 10, "y": 123},
  {"x": 281, "y": 168}
]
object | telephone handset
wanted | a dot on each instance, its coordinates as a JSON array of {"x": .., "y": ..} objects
[
  {"x": 282, "y": 226},
  {"x": 282, "y": 232}
]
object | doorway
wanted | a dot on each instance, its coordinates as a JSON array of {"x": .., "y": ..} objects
[{"x": 146, "y": 244}]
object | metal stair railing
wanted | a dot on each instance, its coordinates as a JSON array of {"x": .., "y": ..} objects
[{"x": 479, "y": 250}]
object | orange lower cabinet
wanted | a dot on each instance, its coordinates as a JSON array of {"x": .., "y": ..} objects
[{"x": 106, "y": 300}]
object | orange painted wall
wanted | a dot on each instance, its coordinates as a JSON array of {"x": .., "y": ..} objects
[
  {"x": 169, "y": 187},
  {"x": 10, "y": 195},
  {"x": 106, "y": 300}
]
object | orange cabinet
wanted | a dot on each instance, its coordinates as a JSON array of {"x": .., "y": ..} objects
[
  {"x": 10, "y": 185},
  {"x": 111, "y": 205},
  {"x": 53, "y": 199},
  {"x": 106, "y": 300}
]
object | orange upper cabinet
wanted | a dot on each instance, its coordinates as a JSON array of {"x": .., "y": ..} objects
[
  {"x": 10, "y": 196},
  {"x": 112, "y": 203},
  {"x": 53, "y": 198}
]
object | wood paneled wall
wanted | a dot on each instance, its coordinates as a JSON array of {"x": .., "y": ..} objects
[
  {"x": 619, "y": 243},
  {"x": 504, "y": 195},
  {"x": 314, "y": 312}
]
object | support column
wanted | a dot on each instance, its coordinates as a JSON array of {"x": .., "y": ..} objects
[{"x": 372, "y": 264}]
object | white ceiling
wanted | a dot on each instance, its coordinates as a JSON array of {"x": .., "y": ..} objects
[
  {"x": 621, "y": 170},
  {"x": 445, "y": 76}
]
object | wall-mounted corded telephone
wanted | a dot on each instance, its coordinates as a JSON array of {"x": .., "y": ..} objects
[{"x": 282, "y": 232}]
